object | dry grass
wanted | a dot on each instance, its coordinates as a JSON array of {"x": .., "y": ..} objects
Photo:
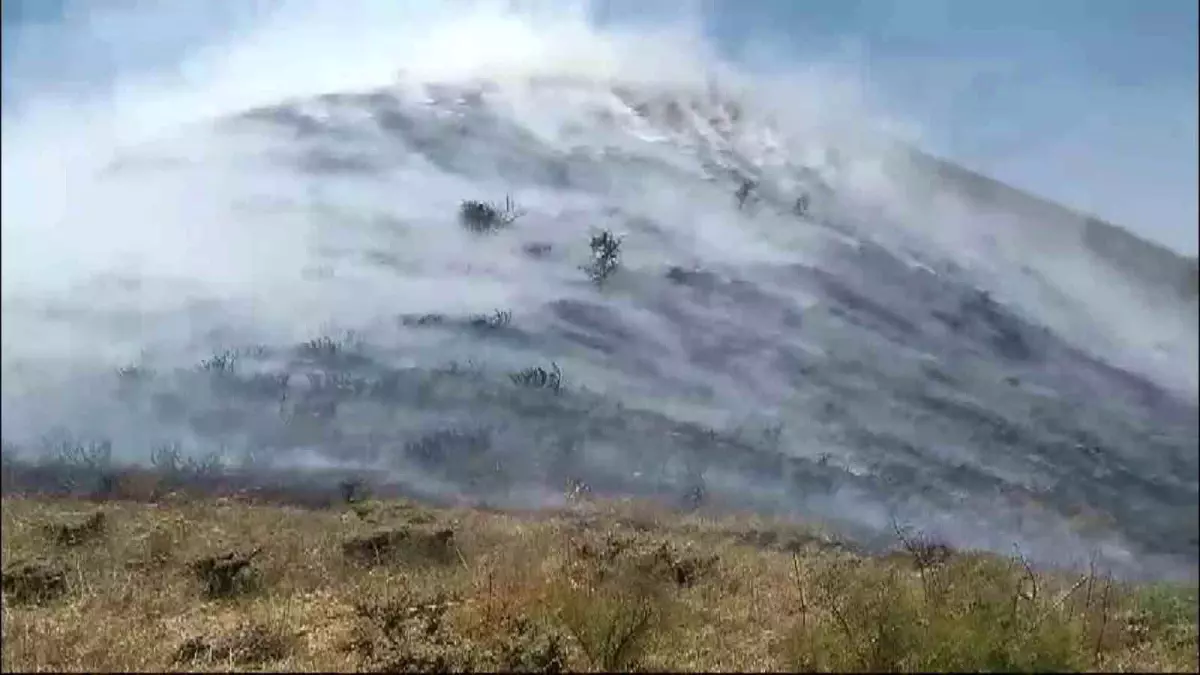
[{"x": 220, "y": 584}]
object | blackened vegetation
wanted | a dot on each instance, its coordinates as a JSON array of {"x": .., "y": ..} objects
[
  {"x": 423, "y": 320},
  {"x": 606, "y": 257},
  {"x": 326, "y": 393},
  {"x": 221, "y": 363},
  {"x": 483, "y": 217},
  {"x": 986, "y": 426},
  {"x": 496, "y": 320},
  {"x": 354, "y": 490},
  {"x": 92, "y": 456},
  {"x": 592, "y": 324},
  {"x": 322, "y": 399},
  {"x": 177, "y": 468},
  {"x": 1006, "y": 336},
  {"x": 447, "y": 446},
  {"x": 459, "y": 454},
  {"x": 77, "y": 466},
  {"x": 328, "y": 352},
  {"x": 855, "y": 306},
  {"x": 692, "y": 278},
  {"x": 538, "y": 377}
]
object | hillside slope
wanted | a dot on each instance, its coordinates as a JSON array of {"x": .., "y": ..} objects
[{"x": 792, "y": 325}]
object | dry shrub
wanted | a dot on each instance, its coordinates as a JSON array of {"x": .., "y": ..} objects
[
  {"x": 252, "y": 644},
  {"x": 155, "y": 549},
  {"x": 970, "y": 613},
  {"x": 657, "y": 561},
  {"x": 612, "y": 623},
  {"x": 405, "y": 544},
  {"x": 406, "y": 632},
  {"x": 227, "y": 575},
  {"x": 78, "y": 532},
  {"x": 545, "y": 592},
  {"x": 33, "y": 583},
  {"x": 614, "y": 597}
]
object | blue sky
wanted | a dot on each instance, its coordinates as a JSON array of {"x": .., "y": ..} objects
[{"x": 1090, "y": 102}]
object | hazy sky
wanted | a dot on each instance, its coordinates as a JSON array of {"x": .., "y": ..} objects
[{"x": 1090, "y": 102}]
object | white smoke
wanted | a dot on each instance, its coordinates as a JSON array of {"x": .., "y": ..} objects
[{"x": 139, "y": 225}]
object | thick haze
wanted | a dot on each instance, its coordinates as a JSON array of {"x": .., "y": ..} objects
[
  {"x": 180, "y": 179},
  {"x": 1092, "y": 103}
]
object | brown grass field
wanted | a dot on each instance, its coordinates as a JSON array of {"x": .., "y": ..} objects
[{"x": 218, "y": 583}]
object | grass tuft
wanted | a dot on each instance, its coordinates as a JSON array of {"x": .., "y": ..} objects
[{"x": 226, "y": 575}]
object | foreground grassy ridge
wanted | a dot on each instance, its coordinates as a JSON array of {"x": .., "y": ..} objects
[{"x": 217, "y": 584}]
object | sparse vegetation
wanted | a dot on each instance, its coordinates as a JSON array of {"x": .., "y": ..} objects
[
  {"x": 439, "y": 447},
  {"x": 537, "y": 377},
  {"x": 248, "y": 645},
  {"x": 422, "y": 319},
  {"x": 353, "y": 490},
  {"x": 177, "y": 468},
  {"x": 92, "y": 457},
  {"x": 75, "y": 532},
  {"x": 237, "y": 584},
  {"x": 226, "y": 575},
  {"x": 325, "y": 347},
  {"x": 496, "y": 320},
  {"x": 483, "y": 217},
  {"x": 606, "y": 257},
  {"x": 402, "y": 545},
  {"x": 221, "y": 363}
]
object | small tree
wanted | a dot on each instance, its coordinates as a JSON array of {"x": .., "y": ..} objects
[{"x": 606, "y": 257}]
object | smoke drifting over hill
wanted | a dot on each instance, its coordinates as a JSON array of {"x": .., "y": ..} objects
[{"x": 264, "y": 259}]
